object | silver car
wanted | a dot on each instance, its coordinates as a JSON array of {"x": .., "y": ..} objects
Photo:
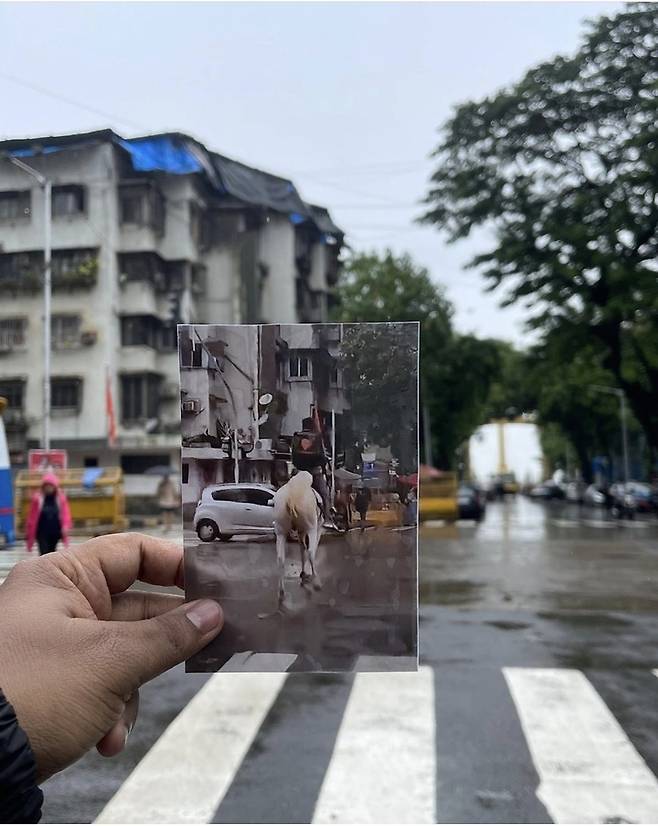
[{"x": 225, "y": 510}]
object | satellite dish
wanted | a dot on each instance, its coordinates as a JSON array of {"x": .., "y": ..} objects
[
  {"x": 266, "y": 398},
  {"x": 263, "y": 418}
]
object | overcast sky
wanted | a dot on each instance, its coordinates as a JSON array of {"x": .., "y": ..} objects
[{"x": 343, "y": 98}]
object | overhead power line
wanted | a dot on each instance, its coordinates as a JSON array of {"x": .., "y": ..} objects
[{"x": 64, "y": 99}]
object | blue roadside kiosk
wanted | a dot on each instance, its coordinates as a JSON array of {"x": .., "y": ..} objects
[{"x": 7, "y": 529}]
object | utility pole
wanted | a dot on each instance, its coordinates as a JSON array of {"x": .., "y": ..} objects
[
  {"x": 616, "y": 391},
  {"x": 46, "y": 185}
]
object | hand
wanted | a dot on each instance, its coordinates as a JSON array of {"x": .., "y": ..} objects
[{"x": 74, "y": 648}]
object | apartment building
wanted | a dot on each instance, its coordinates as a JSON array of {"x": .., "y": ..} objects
[
  {"x": 146, "y": 233},
  {"x": 227, "y": 370}
]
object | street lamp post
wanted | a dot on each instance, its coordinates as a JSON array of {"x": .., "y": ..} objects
[
  {"x": 616, "y": 391},
  {"x": 46, "y": 185}
]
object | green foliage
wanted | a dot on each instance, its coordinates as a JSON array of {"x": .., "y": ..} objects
[
  {"x": 382, "y": 364},
  {"x": 563, "y": 167},
  {"x": 455, "y": 371}
]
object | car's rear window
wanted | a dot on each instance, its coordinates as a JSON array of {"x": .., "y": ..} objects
[{"x": 230, "y": 495}]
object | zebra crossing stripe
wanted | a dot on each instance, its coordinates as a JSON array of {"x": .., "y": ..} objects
[
  {"x": 589, "y": 770},
  {"x": 383, "y": 767},
  {"x": 185, "y": 775}
]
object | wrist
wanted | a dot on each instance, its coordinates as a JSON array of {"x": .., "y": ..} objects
[{"x": 20, "y": 797}]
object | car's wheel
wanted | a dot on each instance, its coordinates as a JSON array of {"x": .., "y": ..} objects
[
  {"x": 225, "y": 537},
  {"x": 207, "y": 530}
]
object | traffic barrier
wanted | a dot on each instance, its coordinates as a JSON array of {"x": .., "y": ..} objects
[
  {"x": 438, "y": 498},
  {"x": 98, "y": 507}
]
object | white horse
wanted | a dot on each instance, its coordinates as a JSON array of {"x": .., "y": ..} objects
[{"x": 298, "y": 508}]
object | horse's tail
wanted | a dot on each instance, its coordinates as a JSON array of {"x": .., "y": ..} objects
[{"x": 292, "y": 510}]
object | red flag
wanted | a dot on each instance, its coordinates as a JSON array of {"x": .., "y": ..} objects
[{"x": 109, "y": 410}]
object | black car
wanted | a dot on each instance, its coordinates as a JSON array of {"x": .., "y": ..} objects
[{"x": 471, "y": 502}]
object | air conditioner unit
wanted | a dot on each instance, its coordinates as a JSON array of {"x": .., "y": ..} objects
[
  {"x": 191, "y": 406},
  {"x": 88, "y": 337}
]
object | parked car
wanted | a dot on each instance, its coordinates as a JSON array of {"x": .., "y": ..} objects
[
  {"x": 471, "y": 502},
  {"x": 575, "y": 492},
  {"x": 547, "y": 490},
  {"x": 629, "y": 498},
  {"x": 225, "y": 510},
  {"x": 594, "y": 496}
]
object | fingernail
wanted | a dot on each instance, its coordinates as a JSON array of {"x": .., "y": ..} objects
[
  {"x": 126, "y": 736},
  {"x": 204, "y": 615}
]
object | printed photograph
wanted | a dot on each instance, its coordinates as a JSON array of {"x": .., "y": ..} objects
[{"x": 299, "y": 480}]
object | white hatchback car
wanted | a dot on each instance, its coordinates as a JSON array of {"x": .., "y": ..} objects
[{"x": 240, "y": 508}]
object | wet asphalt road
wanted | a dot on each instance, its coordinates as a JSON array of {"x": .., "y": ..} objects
[
  {"x": 362, "y": 603},
  {"x": 532, "y": 586}
]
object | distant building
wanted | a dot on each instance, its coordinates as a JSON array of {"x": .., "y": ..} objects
[{"x": 147, "y": 232}]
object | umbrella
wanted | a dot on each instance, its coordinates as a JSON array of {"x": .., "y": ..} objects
[{"x": 428, "y": 472}]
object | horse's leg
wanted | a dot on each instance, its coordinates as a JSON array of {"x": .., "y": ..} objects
[
  {"x": 281, "y": 562},
  {"x": 312, "y": 551},
  {"x": 280, "y": 534},
  {"x": 302, "y": 553}
]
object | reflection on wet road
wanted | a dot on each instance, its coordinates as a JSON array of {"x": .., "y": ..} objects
[
  {"x": 366, "y": 607},
  {"x": 526, "y": 555}
]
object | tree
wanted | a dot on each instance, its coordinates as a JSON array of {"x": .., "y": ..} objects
[
  {"x": 563, "y": 167},
  {"x": 381, "y": 362},
  {"x": 455, "y": 371}
]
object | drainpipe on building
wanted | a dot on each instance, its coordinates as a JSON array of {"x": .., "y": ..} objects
[{"x": 46, "y": 185}]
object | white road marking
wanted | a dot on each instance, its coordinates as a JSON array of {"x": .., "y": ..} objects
[
  {"x": 383, "y": 768},
  {"x": 183, "y": 778},
  {"x": 655, "y": 672},
  {"x": 589, "y": 770}
]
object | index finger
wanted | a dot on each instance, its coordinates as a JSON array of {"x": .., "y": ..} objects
[{"x": 124, "y": 558}]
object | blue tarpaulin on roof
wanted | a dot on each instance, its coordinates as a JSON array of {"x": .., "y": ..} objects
[{"x": 161, "y": 153}]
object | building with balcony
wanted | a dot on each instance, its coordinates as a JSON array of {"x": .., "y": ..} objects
[
  {"x": 146, "y": 233},
  {"x": 225, "y": 373}
]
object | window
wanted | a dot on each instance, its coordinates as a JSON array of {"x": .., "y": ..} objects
[
  {"x": 139, "y": 330},
  {"x": 298, "y": 367},
  {"x": 185, "y": 473},
  {"x": 21, "y": 269},
  {"x": 142, "y": 266},
  {"x": 68, "y": 200},
  {"x": 14, "y": 391},
  {"x": 65, "y": 331},
  {"x": 230, "y": 495},
  {"x": 15, "y": 205},
  {"x": 142, "y": 205},
  {"x": 142, "y": 462},
  {"x": 255, "y": 496},
  {"x": 90, "y": 461},
  {"x": 12, "y": 333},
  {"x": 74, "y": 264},
  {"x": 140, "y": 396},
  {"x": 168, "y": 337},
  {"x": 190, "y": 352},
  {"x": 65, "y": 393}
]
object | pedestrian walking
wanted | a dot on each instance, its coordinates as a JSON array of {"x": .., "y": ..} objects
[
  {"x": 49, "y": 517},
  {"x": 167, "y": 496},
  {"x": 362, "y": 503}
]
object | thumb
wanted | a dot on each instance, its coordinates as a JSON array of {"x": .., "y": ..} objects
[{"x": 154, "y": 645}]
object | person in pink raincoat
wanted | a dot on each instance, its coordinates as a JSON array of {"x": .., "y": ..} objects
[{"x": 49, "y": 518}]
